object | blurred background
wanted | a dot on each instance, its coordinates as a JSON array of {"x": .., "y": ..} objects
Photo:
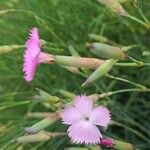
[{"x": 62, "y": 23}]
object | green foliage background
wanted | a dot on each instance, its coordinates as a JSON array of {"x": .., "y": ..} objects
[{"x": 63, "y": 22}]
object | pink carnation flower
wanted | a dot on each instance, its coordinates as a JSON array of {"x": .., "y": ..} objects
[
  {"x": 83, "y": 119},
  {"x": 33, "y": 55}
]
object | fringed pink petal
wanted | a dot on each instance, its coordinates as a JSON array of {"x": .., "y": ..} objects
[
  {"x": 84, "y": 105},
  {"x": 33, "y": 43},
  {"x": 84, "y": 132},
  {"x": 32, "y": 52},
  {"x": 100, "y": 116},
  {"x": 70, "y": 115}
]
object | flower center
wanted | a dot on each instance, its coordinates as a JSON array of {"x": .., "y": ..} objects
[{"x": 86, "y": 119}]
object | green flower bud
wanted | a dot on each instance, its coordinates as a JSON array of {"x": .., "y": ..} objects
[
  {"x": 98, "y": 38},
  {"x": 43, "y": 123},
  {"x": 106, "y": 51},
  {"x": 78, "y": 62},
  {"x": 8, "y": 48},
  {"x": 100, "y": 71},
  {"x": 120, "y": 145},
  {"x": 114, "y": 6},
  {"x": 39, "y": 137}
]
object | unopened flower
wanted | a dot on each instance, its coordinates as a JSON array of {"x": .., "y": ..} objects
[
  {"x": 33, "y": 55},
  {"x": 83, "y": 119},
  {"x": 108, "y": 142}
]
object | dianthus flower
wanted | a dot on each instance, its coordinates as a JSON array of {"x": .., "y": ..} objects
[
  {"x": 83, "y": 120},
  {"x": 33, "y": 55}
]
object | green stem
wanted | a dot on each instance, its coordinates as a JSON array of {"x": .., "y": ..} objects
[
  {"x": 136, "y": 132},
  {"x": 125, "y": 80},
  {"x": 146, "y": 25},
  {"x": 131, "y": 64},
  {"x": 121, "y": 91},
  {"x": 136, "y": 61}
]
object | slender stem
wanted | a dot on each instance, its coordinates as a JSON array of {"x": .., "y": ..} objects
[
  {"x": 125, "y": 80},
  {"x": 134, "y": 60},
  {"x": 130, "y": 64},
  {"x": 146, "y": 25},
  {"x": 143, "y": 16},
  {"x": 95, "y": 97},
  {"x": 136, "y": 132}
]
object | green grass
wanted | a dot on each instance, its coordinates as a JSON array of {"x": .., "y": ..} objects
[{"x": 64, "y": 22}]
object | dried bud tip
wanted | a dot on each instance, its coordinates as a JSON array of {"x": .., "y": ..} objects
[{"x": 88, "y": 45}]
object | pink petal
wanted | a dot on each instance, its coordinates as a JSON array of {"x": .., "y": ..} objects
[
  {"x": 84, "y": 105},
  {"x": 70, "y": 115},
  {"x": 84, "y": 132},
  {"x": 100, "y": 116},
  {"x": 32, "y": 52},
  {"x": 29, "y": 68},
  {"x": 33, "y": 43}
]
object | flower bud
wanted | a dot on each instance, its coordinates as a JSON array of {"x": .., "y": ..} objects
[
  {"x": 118, "y": 145},
  {"x": 100, "y": 71},
  {"x": 98, "y": 38},
  {"x": 39, "y": 137},
  {"x": 122, "y": 1},
  {"x": 76, "y": 148},
  {"x": 114, "y": 6},
  {"x": 8, "y": 48},
  {"x": 73, "y": 51},
  {"x": 106, "y": 51},
  {"x": 108, "y": 142},
  {"x": 42, "y": 124},
  {"x": 78, "y": 62}
]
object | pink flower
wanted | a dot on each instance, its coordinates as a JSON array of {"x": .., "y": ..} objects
[
  {"x": 83, "y": 119},
  {"x": 33, "y": 55}
]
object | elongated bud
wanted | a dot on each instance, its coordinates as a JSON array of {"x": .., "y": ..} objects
[
  {"x": 146, "y": 53},
  {"x": 39, "y": 137},
  {"x": 3, "y": 12},
  {"x": 38, "y": 114},
  {"x": 8, "y": 48},
  {"x": 122, "y": 1},
  {"x": 78, "y": 62},
  {"x": 100, "y": 71},
  {"x": 70, "y": 61},
  {"x": 73, "y": 51},
  {"x": 76, "y": 148},
  {"x": 114, "y": 6},
  {"x": 42, "y": 124},
  {"x": 98, "y": 38},
  {"x": 71, "y": 69},
  {"x": 67, "y": 94},
  {"x": 46, "y": 97},
  {"x": 119, "y": 145},
  {"x": 106, "y": 51}
]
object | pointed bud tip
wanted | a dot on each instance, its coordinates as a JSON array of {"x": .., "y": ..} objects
[
  {"x": 88, "y": 45},
  {"x": 86, "y": 83}
]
